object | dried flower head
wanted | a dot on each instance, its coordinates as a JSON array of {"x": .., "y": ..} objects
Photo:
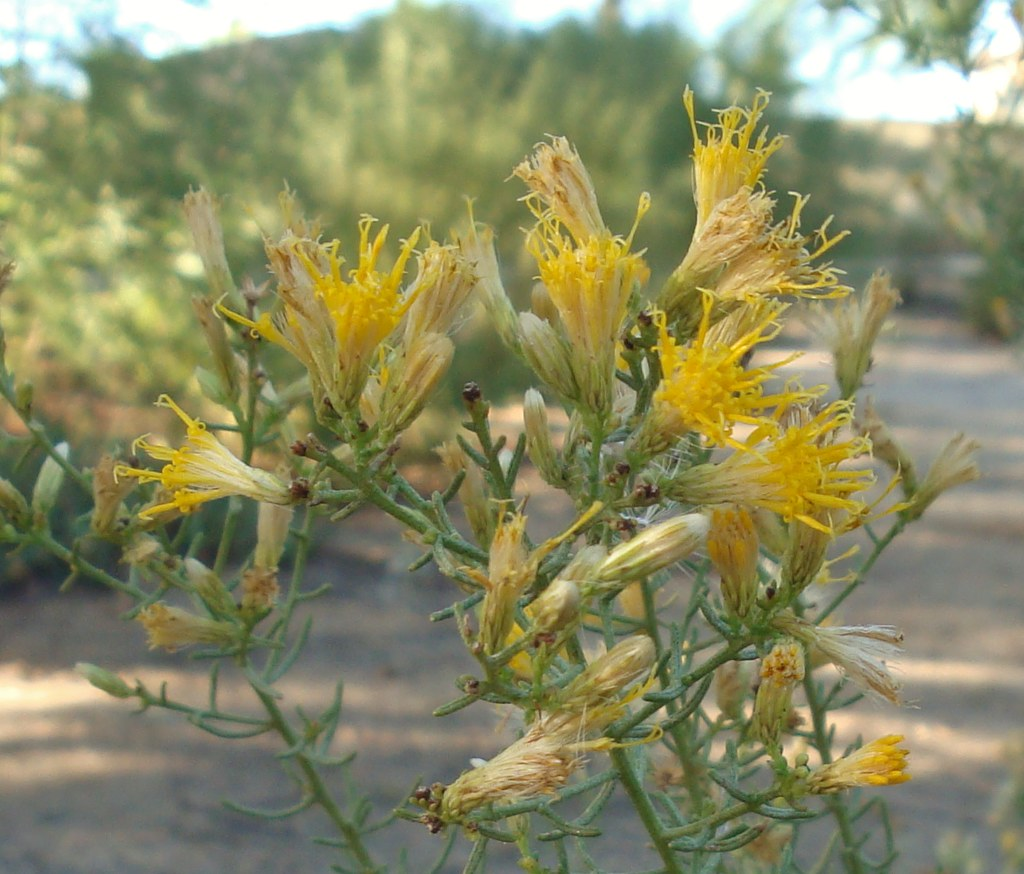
[
  {"x": 444, "y": 281},
  {"x": 556, "y": 177},
  {"x": 172, "y": 628},
  {"x": 955, "y": 465},
  {"x": 782, "y": 670},
  {"x": 861, "y": 652},
  {"x": 851, "y": 326},
  {"x": 539, "y": 763}
]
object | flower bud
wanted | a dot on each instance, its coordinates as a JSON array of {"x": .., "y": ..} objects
[
  {"x": 13, "y": 504},
  {"x": 478, "y": 249},
  {"x": 49, "y": 481},
  {"x": 104, "y": 680},
  {"x": 732, "y": 682},
  {"x": 473, "y": 491},
  {"x": 538, "y": 439},
  {"x": 272, "y": 523},
  {"x": 804, "y": 557},
  {"x": 546, "y": 353},
  {"x": 425, "y": 360},
  {"x": 210, "y": 589},
  {"x": 653, "y": 549},
  {"x": 733, "y": 549},
  {"x": 781, "y": 671},
  {"x": 625, "y": 664},
  {"x": 884, "y": 445},
  {"x": 851, "y": 327},
  {"x": 557, "y": 607},
  {"x": 226, "y": 387},
  {"x": 509, "y": 571}
]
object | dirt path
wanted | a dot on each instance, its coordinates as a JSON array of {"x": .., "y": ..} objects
[{"x": 85, "y": 788}]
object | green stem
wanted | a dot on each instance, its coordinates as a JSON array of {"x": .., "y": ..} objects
[
  {"x": 406, "y": 515},
  {"x": 39, "y": 434},
  {"x": 645, "y": 810},
  {"x": 680, "y": 731},
  {"x": 709, "y": 822},
  {"x": 852, "y": 861},
  {"x": 80, "y": 565},
  {"x": 317, "y": 789}
]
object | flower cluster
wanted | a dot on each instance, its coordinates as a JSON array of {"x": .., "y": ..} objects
[{"x": 686, "y": 446}]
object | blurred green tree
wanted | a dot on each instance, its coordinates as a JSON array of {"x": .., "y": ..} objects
[{"x": 982, "y": 193}]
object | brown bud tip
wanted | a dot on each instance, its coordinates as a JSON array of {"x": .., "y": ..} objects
[
  {"x": 625, "y": 526},
  {"x": 646, "y": 492},
  {"x": 433, "y": 823},
  {"x": 299, "y": 488},
  {"x": 621, "y": 468},
  {"x": 469, "y": 685},
  {"x": 421, "y": 794},
  {"x": 471, "y": 393},
  {"x": 644, "y": 319},
  {"x": 299, "y": 448}
]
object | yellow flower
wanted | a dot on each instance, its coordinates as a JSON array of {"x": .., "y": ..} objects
[
  {"x": 879, "y": 763},
  {"x": 705, "y": 386},
  {"x": 738, "y": 249},
  {"x": 795, "y": 472},
  {"x": 334, "y": 324},
  {"x": 588, "y": 274},
  {"x": 589, "y": 283},
  {"x": 732, "y": 157},
  {"x": 202, "y": 470}
]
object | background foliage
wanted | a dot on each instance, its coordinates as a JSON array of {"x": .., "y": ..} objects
[{"x": 400, "y": 117}]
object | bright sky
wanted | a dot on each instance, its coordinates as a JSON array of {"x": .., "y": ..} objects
[{"x": 840, "y": 82}]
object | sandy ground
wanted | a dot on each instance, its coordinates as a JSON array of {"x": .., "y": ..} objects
[{"x": 86, "y": 787}]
